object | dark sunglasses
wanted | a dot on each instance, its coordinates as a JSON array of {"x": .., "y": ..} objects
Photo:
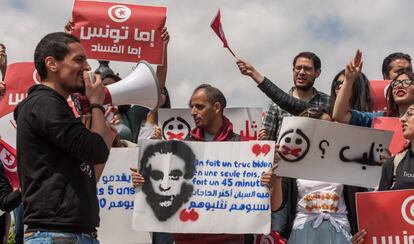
[{"x": 338, "y": 83}]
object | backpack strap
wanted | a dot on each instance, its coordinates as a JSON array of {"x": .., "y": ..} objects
[{"x": 397, "y": 159}]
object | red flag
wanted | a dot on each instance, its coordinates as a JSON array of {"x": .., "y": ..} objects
[
  {"x": 218, "y": 29},
  {"x": 8, "y": 159},
  {"x": 392, "y": 124}
]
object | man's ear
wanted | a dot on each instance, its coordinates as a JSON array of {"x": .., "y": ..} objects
[
  {"x": 217, "y": 107},
  {"x": 318, "y": 73},
  {"x": 51, "y": 64}
]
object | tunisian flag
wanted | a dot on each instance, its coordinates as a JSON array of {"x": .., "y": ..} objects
[
  {"x": 218, "y": 29},
  {"x": 8, "y": 159}
]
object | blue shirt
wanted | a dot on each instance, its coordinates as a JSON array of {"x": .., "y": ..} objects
[{"x": 363, "y": 118}]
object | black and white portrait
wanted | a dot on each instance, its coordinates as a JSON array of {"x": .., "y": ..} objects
[{"x": 168, "y": 167}]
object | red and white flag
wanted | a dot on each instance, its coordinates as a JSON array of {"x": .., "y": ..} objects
[
  {"x": 218, "y": 29},
  {"x": 8, "y": 159}
]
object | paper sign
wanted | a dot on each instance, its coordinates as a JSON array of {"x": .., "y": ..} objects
[
  {"x": 176, "y": 124},
  {"x": 391, "y": 124},
  {"x": 120, "y": 32},
  {"x": 331, "y": 152},
  {"x": 19, "y": 78},
  {"x": 378, "y": 90},
  {"x": 387, "y": 216},
  {"x": 203, "y": 187},
  {"x": 116, "y": 199}
]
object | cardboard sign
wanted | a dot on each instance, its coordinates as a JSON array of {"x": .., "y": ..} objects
[
  {"x": 378, "y": 94},
  {"x": 176, "y": 124},
  {"x": 350, "y": 153},
  {"x": 387, "y": 216},
  {"x": 19, "y": 78},
  {"x": 391, "y": 124},
  {"x": 203, "y": 187},
  {"x": 116, "y": 199},
  {"x": 120, "y": 32}
]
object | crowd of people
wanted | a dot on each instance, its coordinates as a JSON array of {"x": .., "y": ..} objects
[{"x": 60, "y": 157}]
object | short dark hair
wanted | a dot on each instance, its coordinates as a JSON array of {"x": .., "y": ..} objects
[
  {"x": 386, "y": 64},
  {"x": 309, "y": 55},
  {"x": 178, "y": 148},
  {"x": 314, "y": 112},
  {"x": 393, "y": 110},
  {"x": 213, "y": 95},
  {"x": 54, "y": 44},
  {"x": 2, "y": 45}
]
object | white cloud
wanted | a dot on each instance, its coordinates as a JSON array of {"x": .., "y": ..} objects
[{"x": 266, "y": 33}]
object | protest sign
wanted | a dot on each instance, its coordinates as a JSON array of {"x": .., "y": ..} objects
[
  {"x": 176, "y": 124},
  {"x": 120, "y": 32},
  {"x": 387, "y": 216},
  {"x": 378, "y": 90},
  {"x": 391, "y": 124},
  {"x": 351, "y": 153},
  {"x": 203, "y": 187},
  {"x": 19, "y": 78},
  {"x": 116, "y": 199}
]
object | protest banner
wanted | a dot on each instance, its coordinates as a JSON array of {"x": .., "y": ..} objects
[
  {"x": 120, "y": 32},
  {"x": 203, "y": 187},
  {"x": 351, "y": 153},
  {"x": 391, "y": 124},
  {"x": 378, "y": 90},
  {"x": 116, "y": 199},
  {"x": 19, "y": 78},
  {"x": 387, "y": 216},
  {"x": 177, "y": 123}
]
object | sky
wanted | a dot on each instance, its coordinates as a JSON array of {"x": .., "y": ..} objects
[{"x": 266, "y": 33}]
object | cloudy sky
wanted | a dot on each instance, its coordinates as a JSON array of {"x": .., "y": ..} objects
[{"x": 266, "y": 33}]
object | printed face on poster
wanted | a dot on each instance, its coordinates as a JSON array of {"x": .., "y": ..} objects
[
  {"x": 120, "y": 32},
  {"x": 176, "y": 124},
  {"x": 351, "y": 153},
  {"x": 386, "y": 216},
  {"x": 116, "y": 199},
  {"x": 203, "y": 187}
]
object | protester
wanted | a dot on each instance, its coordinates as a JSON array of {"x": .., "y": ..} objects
[
  {"x": 400, "y": 95},
  {"x": 397, "y": 171},
  {"x": 55, "y": 152},
  {"x": 394, "y": 63},
  {"x": 3, "y": 67}
]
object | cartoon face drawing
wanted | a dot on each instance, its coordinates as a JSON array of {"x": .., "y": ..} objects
[
  {"x": 294, "y": 145},
  {"x": 175, "y": 128}
]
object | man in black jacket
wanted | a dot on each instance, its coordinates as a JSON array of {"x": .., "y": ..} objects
[{"x": 57, "y": 156}]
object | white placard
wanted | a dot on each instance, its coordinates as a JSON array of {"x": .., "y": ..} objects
[
  {"x": 177, "y": 123},
  {"x": 116, "y": 199},
  {"x": 332, "y": 152},
  {"x": 203, "y": 187}
]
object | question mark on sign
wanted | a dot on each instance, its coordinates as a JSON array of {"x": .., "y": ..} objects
[{"x": 321, "y": 146}]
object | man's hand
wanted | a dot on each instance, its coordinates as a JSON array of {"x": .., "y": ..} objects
[
  {"x": 69, "y": 26},
  {"x": 157, "y": 133},
  {"x": 247, "y": 69},
  {"x": 359, "y": 237},
  {"x": 165, "y": 36},
  {"x": 262, "y": 134},
  {"x": 94, "y": 91},
  {"x": 2, "y": 88},
  {"x": 137, "y": 178},
  {"x": 354, "y": 68},
  {"x": 3, "y": 60}
]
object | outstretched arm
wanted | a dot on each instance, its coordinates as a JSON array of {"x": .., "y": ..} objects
[{"x": 341, "y": 111}]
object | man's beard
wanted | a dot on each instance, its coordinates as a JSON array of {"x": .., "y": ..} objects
[
  {"x": 166, "y": 206},
  {"x": 305, "y": 87},
  {"x": 75, "y": 89}
]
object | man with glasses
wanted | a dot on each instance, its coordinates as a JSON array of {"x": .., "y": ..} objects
[{"x": 306, "y": 68}]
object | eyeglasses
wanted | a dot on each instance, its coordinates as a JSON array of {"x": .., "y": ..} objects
[
  {"x": 337, "y": 84},
  {"x": 409, "y": 112},
  {"x": 307, "y": 69},
  {"x": 404, "y": 83}
]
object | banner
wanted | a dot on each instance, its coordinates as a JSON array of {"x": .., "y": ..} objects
[
  {"x": 19, "y": 78},
  {"x": 116, "y": 199},
  {"x": 391, "y": 124},
  {"x": 387, "y": 216},
  {"x": 177, "y": 123},
  {"x": 203, "y": 187},
  {"x": 351, "y": 153},
  {"x": 8, "y": 159},
  {"x": 378, "y": 90},
  {"x": 120, "y": 32}
]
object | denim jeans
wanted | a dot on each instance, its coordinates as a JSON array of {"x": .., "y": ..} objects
[
  {"x": 18, "y": 224},
  {"x": 45, "y": 237}
]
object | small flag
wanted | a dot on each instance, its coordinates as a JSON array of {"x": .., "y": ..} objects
[
  {"x": 218, "y": 29},
  {"x": 8, "y": 159}
]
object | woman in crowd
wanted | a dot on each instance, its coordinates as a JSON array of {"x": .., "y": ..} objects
[{"x": 398, "y": 169}]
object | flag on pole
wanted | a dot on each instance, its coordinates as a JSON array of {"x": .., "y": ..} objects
[
  {"x": 218, "y": 29},
  {"x": 8, "y": 159}
]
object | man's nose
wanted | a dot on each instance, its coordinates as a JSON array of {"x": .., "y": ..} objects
[{"x": 87, "y": 66}]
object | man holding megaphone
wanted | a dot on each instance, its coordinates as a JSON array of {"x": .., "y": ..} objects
[{"x": 56, "y": 154}]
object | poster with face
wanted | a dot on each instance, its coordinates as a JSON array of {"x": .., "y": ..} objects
[
  {"x": 203, "y": 187},
  {"x": 331, "y": 152},
  {"x": 116, "y": 199},
  {"x": 176, "y": 124}
]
